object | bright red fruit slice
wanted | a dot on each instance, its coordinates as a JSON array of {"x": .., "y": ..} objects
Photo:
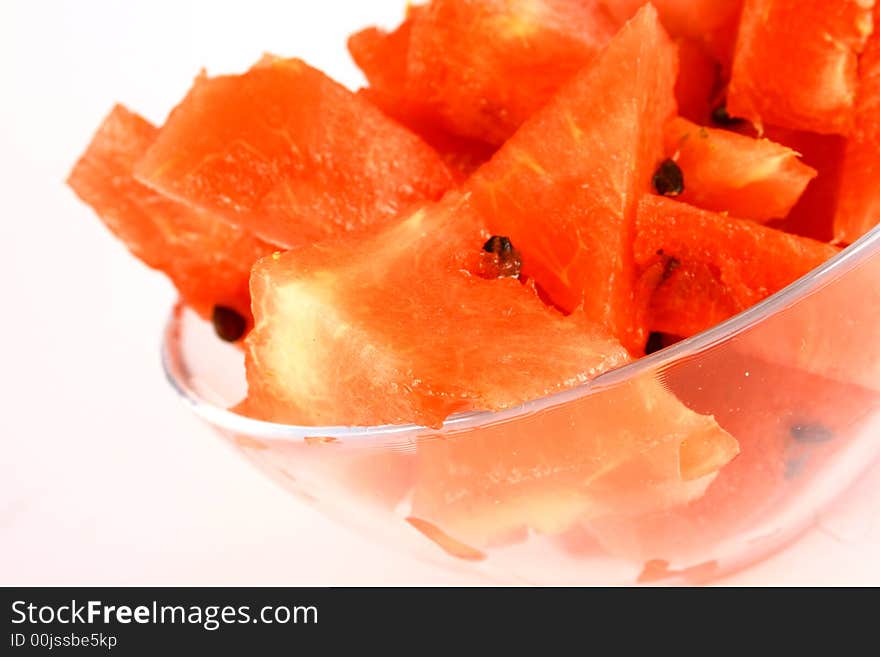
[
  {"x": 689, "y": 299},
  {"x": 796, "y": 63},
  {"x": 787, "y": 422},
  {"x": 565, "y": 187},
  {"x": 813, "y": 214},
  {"x": 484, "y": 66},
  {"x": 392, "y": 328},
  {"x": 382, "y": 56},
  {"x": 859, "y": 202},
  {"x": 207, "y": 259},
  {"x": 727, "y": 172},
  {"x": 753, "y": 261},
  {"x": 286, "y": 152},
  {"x": 711, "y": 23}
]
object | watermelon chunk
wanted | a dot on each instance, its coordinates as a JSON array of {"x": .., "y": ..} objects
[
  {"x": 697, "y": 83},
  {"x": 753, "y": 261},
  {"x": 727, "y": 172},
  {"x": 394, "y": 329},
  {"x": 207, "y": 259},
  {"x": 689, "y": 298},
  {"x": 382, "y": 56},
  {"x": 565, "y": 187},
  {"x": 813, "y": 214},
  {"x": 287, "y": 153},
  {"x": 796, "y": 63},
  {"x": 786, "y": 433},
  {"x": 626, "y": 451},
  {"x": 859, "y": 201},
  {"x": 711, "y": 23},
  {"x": 484, "y": 66}
]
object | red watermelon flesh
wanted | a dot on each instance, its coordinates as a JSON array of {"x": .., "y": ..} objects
[
  {"x": 689, "y": 298},
  {"x": 787, "y": 423},
  {"x": 727, "y": 172},
  {"x": 208, "y": 259},
  {"x": 859, "y": 206},
  {"x": 289, "y": 154},
  {"x": 382, "y": 56},
  {"x": 753, "y": 261},
  {"x": 697, "y": 83},
  {"x": 629, "y": 450},
  {"x": 796, "y": 63},
  {"x": 463, "y": 156},
  {"x": 565, "y": 187},
  {"x": 484, "y": 66},
  {"x": 392, "y": 328},
  {"x": 711, "y": 23},
  {"x": 813, "y": 214}
]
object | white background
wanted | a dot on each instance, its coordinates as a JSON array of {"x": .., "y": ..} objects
[{"x": 104, "y": 477}]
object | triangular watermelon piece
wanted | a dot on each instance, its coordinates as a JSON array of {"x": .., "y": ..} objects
[
  {"x": 565, "y": 187},
  {"x": 628, "y": 450},
  {"x": 393, "y": 328},
  {"x": 711, "y": 23},
  {"x": 727, "y": 172},
  {"x": 207, "y": 259},
  {"x": 382, "y": 56},
  {"x": 813, "y": 214},
  {"x": 753, "y": 261},
  {"x": 289, "y": 154},
  {"x": 789, "y": 424},
  {"x": 796, "y": 63},
  {"x": 483, "y": 67},
  {"x": 687, "y": 298}
]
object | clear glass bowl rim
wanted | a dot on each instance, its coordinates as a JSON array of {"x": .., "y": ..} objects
[{"x": 173, "y": 364}]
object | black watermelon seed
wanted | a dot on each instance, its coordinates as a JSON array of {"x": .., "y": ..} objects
[
  {"x": 811, "y": 433},
  {"x": 500, "y": 259},
  {"x": 655, "y": 343},
  {"x": 228, "y": 324},
  {"x": 668, "y": 179},
  {"x": 498, "y": 244},
  {"x": 720, "y": 116}
]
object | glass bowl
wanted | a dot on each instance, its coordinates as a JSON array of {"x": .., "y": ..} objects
[{"x": 548, "y": 493}]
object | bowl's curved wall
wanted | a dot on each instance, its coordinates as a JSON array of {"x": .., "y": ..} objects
[{"x": 598, "y": 484}]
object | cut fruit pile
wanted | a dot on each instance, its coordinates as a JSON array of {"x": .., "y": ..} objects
[{"x": 529, "y": 193}]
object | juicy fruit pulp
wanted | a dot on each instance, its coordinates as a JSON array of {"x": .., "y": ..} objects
[
  {"x": 290, "y": 155},
  {"x": 207, "y": 259},
  {"x": 564, "y": 188},
  {"x": 687, "y": 298},
  {"x": 787, "y": 423},
  {"x": 859, "y": 203},
  {"x": 726, "y": 172},
  {"x": 796, "y": 63},
  {"x": 483, "y": 67},
  {"x": 753, "y": 261},
  {"x": 406, "y": 333},
  {"x": 632, "y": 448},
  {"x": 382, "y": 56},
  {"x": 710, "y": 23}
]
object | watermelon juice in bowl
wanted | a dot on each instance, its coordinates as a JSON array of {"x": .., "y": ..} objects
[
  {"x": 531, "y": 495},
  {"x": 557, "y": 297}
]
